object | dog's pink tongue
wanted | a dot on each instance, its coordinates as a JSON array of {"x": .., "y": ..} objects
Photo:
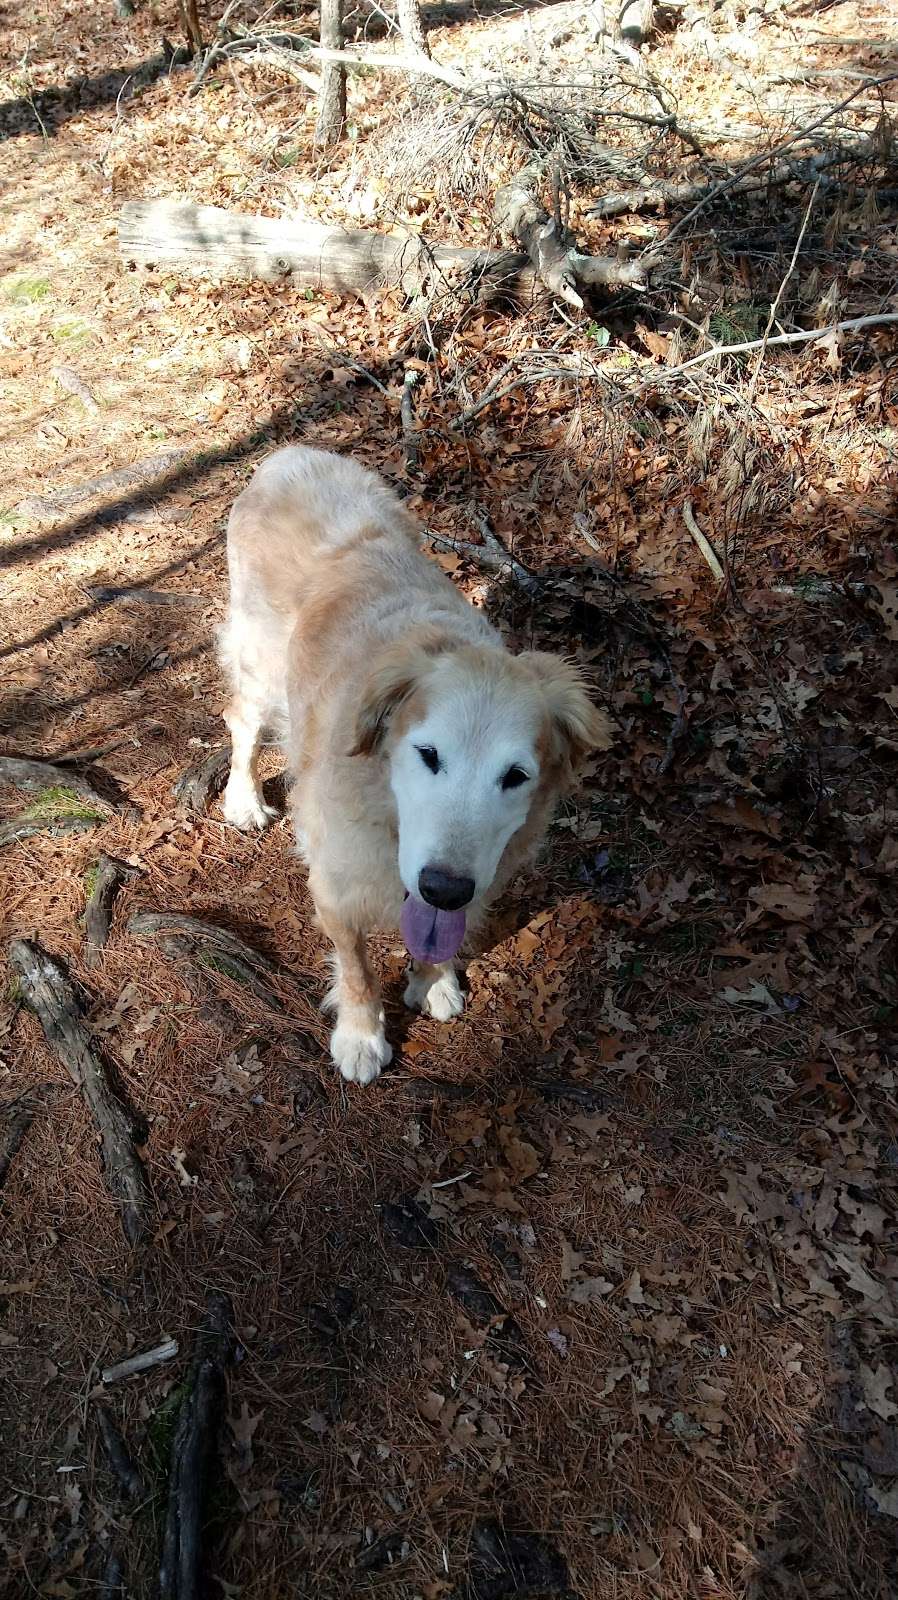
[{"x": 429, "y": 934}]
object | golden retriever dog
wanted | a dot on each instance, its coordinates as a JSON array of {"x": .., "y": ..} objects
[{"x": 426, "y": 759}]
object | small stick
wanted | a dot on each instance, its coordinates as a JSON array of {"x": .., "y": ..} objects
[
  {"x": 409, "y": 432},
  {"x": 140, "y": 1363},
  {"x": 111, "y": 874},
  {"x": 492, "y": 556},
  {"x": 706, "y": 549},
  {"x": 48, "y": 992},
  {"x": 193, "y": 1455},
  {"x": 803, "y": 336},
  {"x": 103, "y": 594},
  {"x": 779, "y": 294},
  {"x": 120, "y": 1458}
]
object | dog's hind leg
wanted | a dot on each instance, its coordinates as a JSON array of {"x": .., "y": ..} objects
[
  {"x": 243, "y": 804},
  {"x": 358, "y": 1043},
  {"x": 434, "y": 990}
]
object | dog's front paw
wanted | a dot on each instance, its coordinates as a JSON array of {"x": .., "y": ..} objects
[
  {"x": 440, "y": 998},
  {"x": 360, "y": 1056},
  {"x": 244, "y": 808}
]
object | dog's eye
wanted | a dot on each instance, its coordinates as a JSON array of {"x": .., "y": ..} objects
[
  {"x": 429, "y": 757},
  {"x": 514, "y": 777}
]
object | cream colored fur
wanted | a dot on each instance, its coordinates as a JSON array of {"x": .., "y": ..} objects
[{"x": 350, "y": 645}]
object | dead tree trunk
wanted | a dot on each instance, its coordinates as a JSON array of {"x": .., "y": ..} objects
[
  {"x": 350, "y": 261},
  {"x": 412, "y": 27},
  {"x": 332, "y": 98}
]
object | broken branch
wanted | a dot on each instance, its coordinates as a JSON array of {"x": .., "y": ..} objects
[
  {"x": 25, "y": 773},
  {"x": 47, "y": 991},
  {"x": 704, "y": 545},
  {"x": 803, "y": 336},
  {"x": 201, "y": 782},
  {"x": 140, "y": 1363}
]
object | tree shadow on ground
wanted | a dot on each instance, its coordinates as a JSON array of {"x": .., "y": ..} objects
[{"x": 45, "y": 111}]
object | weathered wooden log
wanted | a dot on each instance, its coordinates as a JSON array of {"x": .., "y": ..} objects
[
  {"x": 135, "y": 479},
  {"x": 213, "y": 946},
  {"x": 224, "y": 244},
  {"x": 27, "y": 827},
  {"x": 47, "y": 991},
  {"x": 193, "y": 1455},
  {"x": 104, "y": 594},
  {"x": 111, "y": 874}
]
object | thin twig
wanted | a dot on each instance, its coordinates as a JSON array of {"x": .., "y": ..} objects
[
  {"x": 803, "y": 336},
  {"x": 705, "y": 547},
  {"x": 768, "y": 155},
  {"x": 779, "y": 293},
  {"x": 409, "y": 431}
]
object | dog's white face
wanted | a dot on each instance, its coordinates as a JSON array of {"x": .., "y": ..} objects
[{"x": 472, "y": 736}]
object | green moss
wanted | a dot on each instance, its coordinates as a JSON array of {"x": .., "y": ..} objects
[
  {"x": 57, "y": 802},
  {"x": 25, "y": 289}
]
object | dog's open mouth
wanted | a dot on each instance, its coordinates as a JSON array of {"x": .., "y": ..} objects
[{"x": 430, "y": 934}]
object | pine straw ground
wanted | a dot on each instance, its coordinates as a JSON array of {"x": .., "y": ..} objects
[{"x": 663, "y": 1135}]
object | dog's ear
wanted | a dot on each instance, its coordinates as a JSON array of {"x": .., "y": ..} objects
[
  {"x": 392, "y": 680},
  {"x": 577, "y": 726}
]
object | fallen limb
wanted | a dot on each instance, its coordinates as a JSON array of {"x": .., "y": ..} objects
[
  {"x": 803, "y": 336},
  {"x": 142, "y": 1362},
  {"x": 660, "y": 195},
  {"x": 558, "y": 264},
  {"x": 104, "y": 594},
  {"x": 492, "y": 556},
  {"x": 703, "y": 544},
  {"x": 47, "y": 991},
  {"x": 110, "y": 875},
  {"x": 204, "y": 780},
  {"x": 119, "y": 1456},
  {"x": 211, "y": 241},
  {"x": 407, "y": 417},
  {"x": 137, "y": 477},
  {"x": 193, "y": 1454}
]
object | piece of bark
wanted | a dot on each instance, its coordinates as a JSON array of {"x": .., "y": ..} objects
[
  {"x": 193, "y": 1455},
  {"x": 138, "y": 478},
  {"x": 111, "y": 874},
  {"x": 104, "y": 594},
  {"x": 213, "y": 946},
  {"x": 224, "y": 244},
  {"x": 48, "y": 992},
  {"x": 119, "y": 1456},
  {"x": 26, "y": 773},
  {"x": 200, "y": 783},
  {"x": 142, "y": 1362}
]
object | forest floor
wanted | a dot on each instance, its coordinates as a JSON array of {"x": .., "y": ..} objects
[{"x": 601, "y": 1278}]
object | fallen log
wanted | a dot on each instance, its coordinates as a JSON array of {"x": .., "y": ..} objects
[
  {"x": 111, "y": 874},
  {"x": 193, "y": 1454},
  {"x": 47, "y": 992},
  {"x": 224, "y": 244}
]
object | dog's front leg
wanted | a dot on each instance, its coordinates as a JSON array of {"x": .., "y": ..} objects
[
  {"x": 358, "y": 1043},
  {"x": 434, "y": 990}
]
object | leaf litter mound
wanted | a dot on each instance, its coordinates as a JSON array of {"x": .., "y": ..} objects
[{"x": 593, "y": 1293}]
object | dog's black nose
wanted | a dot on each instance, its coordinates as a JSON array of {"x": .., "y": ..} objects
[{"x": 444, "y": 890}]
